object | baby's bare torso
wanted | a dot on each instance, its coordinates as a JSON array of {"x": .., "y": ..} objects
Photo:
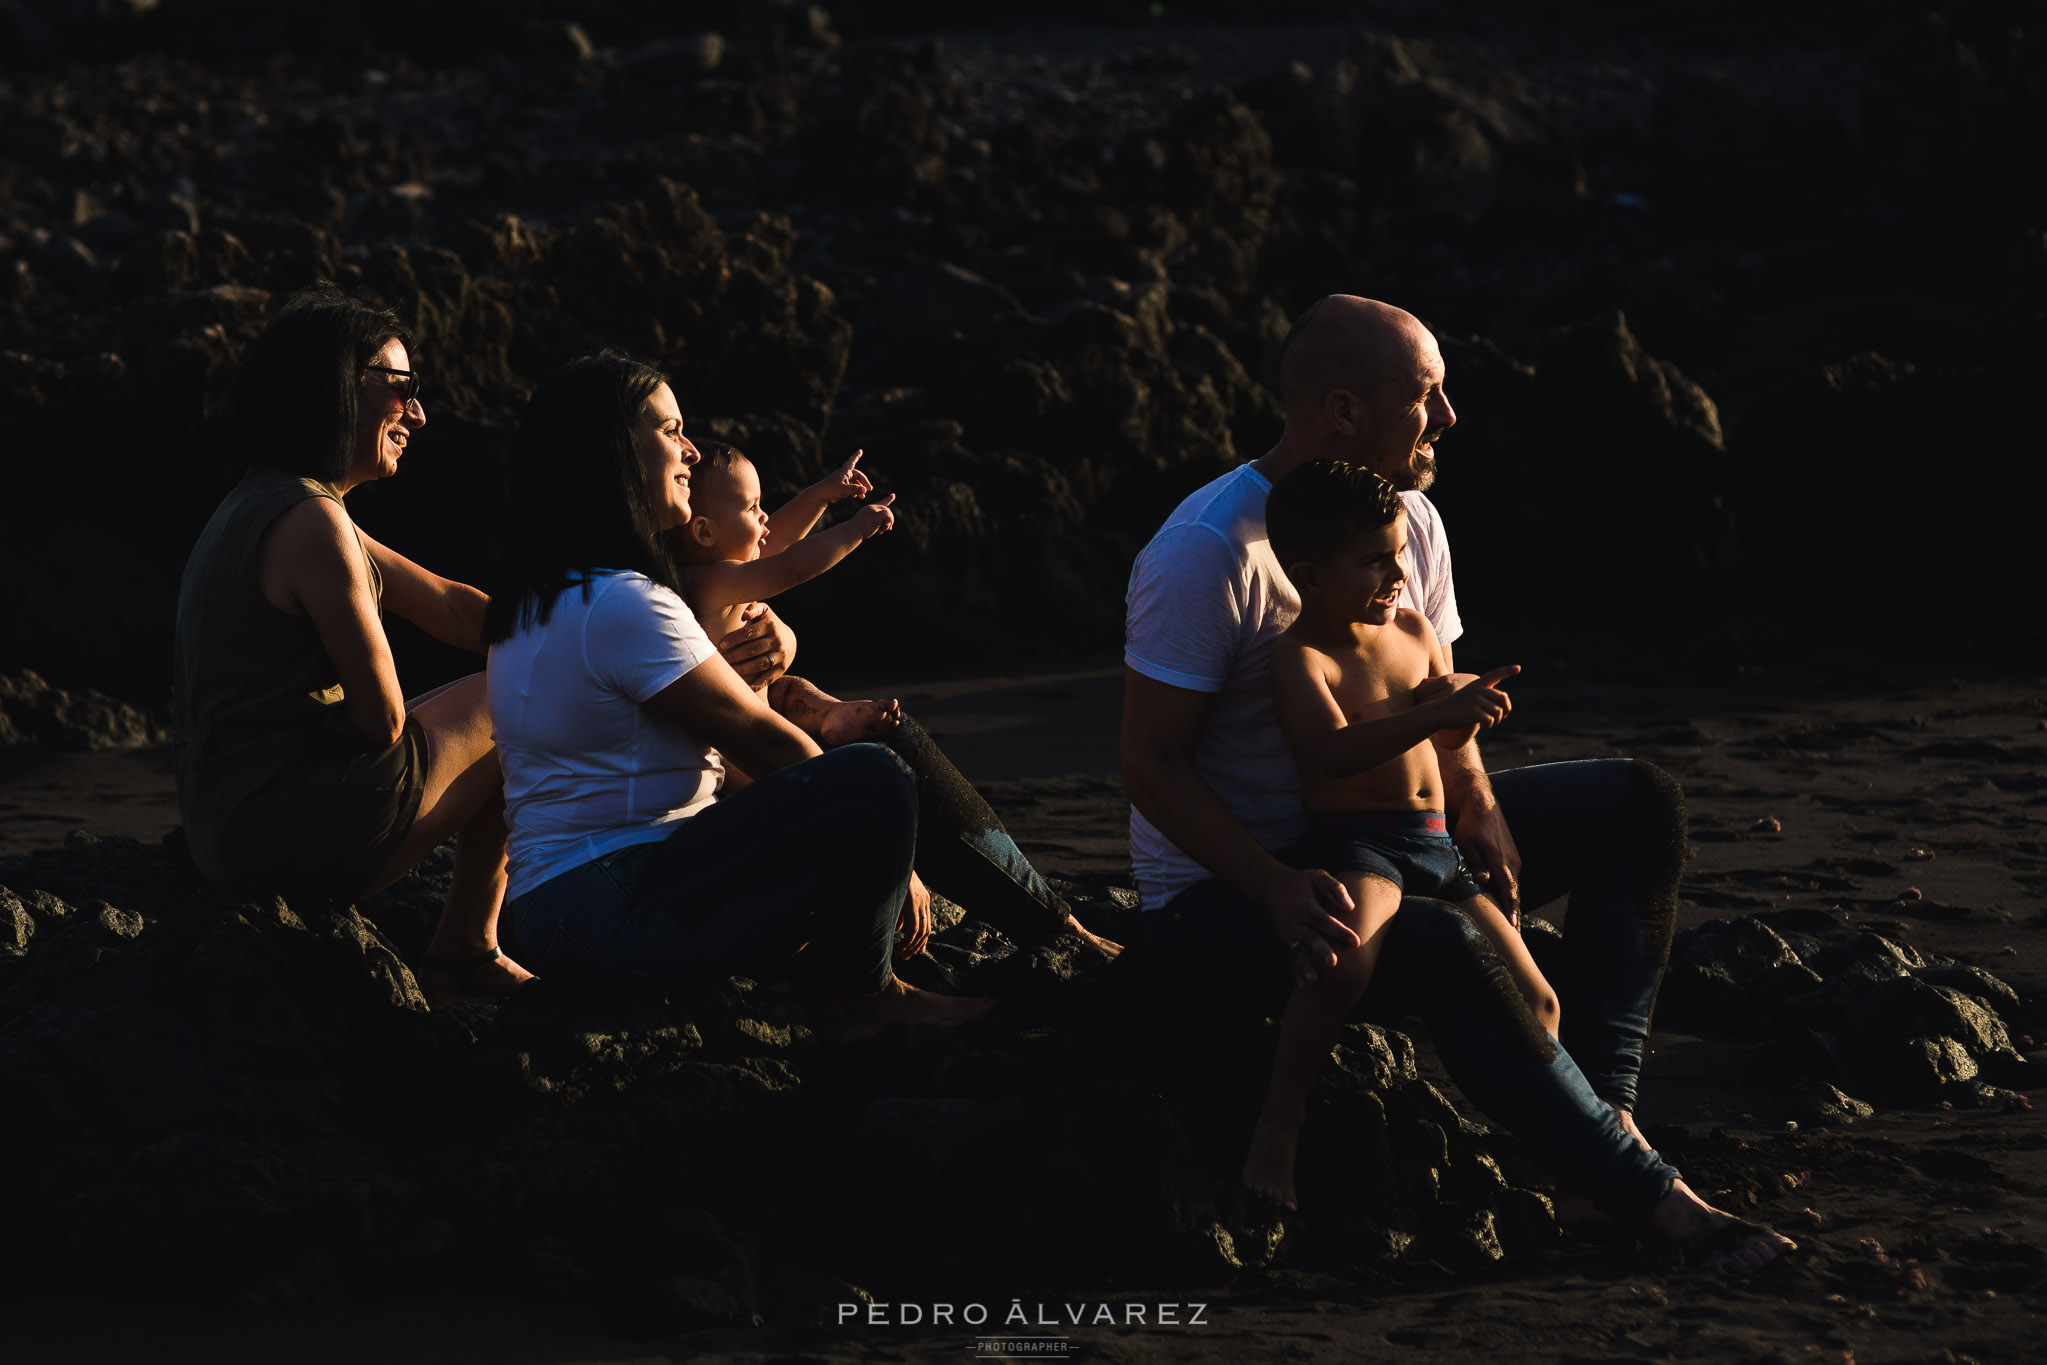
[
  {"x": 1370, "y": 680},
  {"x": 718, "y": 622}
]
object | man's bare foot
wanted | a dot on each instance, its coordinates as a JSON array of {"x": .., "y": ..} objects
[
  {"x": 1109, "y": 947},
  {"x": 1713, "y": 1241},
  {"x": 849, "y": 722},
  {"x": 487, "y": 975},
  {"x": 856, "y": 1018},
  {"x": 1269, "y": 1165}
]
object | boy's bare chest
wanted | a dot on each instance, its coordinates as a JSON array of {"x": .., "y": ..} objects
[{"x": 1380, "y": 683}]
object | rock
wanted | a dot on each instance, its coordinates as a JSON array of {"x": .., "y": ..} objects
[
  {"x": 562, "y": 40},
  {"x": 1918, "y": 1036},
  {"x": 34, "y": 712},
  {"x": 1910, "y": 1007},
  {"x": 930, "y": 305},
  {"x": 1823, "y": 1008},
  {"x": 1922, "y": 1065},
  {"x": 697, "y": 54},
  {"x": 172, "y": 212},
  {"x": 1668, "y": 424},
  {"x": 1727, "y": 971},
  {"x": 1716, "y": 137},
  {"x": 107, "y": 231},
  {"x": 1979, "y": 985},
  {"x": 1821, "y": 1105},
  {"x": 1875, "y": 956},
  {"x": 17, "y": 926},
  {"x": 68, "y": 262}
]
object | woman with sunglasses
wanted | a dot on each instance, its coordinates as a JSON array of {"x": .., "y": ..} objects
[{"x": 300, "y": 762}]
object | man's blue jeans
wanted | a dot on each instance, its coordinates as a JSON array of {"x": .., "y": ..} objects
[
  {"x": 1610, "y": 835},
  {"x": 1599, "y": 831}
]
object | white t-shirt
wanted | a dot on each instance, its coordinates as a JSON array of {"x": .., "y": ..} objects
[
  {"x": 1206, "y": 601},
  {"x": 588, "y": 769}
]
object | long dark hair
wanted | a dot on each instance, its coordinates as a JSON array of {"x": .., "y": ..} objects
[
  {"x": 299, "y": 389},
  {"x": 579, "y": 496}
]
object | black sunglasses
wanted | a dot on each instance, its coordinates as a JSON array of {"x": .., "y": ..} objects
[{"x": 409, "y": 390}]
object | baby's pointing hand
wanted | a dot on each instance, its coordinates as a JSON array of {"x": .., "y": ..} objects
[
  {"x": 875, "y": 517},
  {"x": 846, "y": 481}
]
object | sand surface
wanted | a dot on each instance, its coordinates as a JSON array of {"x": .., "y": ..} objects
[{"x": 1924, "y": 1232}]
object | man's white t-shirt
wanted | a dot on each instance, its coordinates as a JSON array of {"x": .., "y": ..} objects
[
  {"x": 1206, "y": 601},
  {"x": 588, "y": 769}
]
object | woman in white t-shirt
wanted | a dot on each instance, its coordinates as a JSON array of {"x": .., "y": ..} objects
[{"x": 607, "y": 701}]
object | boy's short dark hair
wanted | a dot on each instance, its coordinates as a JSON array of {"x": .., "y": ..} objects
[{"x": 1314, "y": 511}]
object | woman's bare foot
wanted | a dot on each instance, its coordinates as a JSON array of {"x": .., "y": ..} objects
[
  {"x": 856, "y": 1018},
  {"x": 1269, "y": 1165},
  {"x": 849, "y": 722},
  {"x": 1716, "y": 1242},
  {"x": 1108, "y": 947},
  {"x": 488, "y": 975}
]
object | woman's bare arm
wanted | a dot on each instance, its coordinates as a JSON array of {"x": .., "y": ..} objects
[
  {"x": 311, "y": 566},
  {"x": 449, "y": 611},
  {"x": 718, "y": 709}
]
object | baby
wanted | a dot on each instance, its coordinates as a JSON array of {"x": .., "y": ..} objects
[
  {"x": 735, "y": 554},
  {"x": 1364, "y": 700}
]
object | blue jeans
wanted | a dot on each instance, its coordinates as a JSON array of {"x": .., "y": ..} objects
[
  {"x": 1610, "y": 834},
  {"x": 816, "y": 856},
  {"x": 964, "y": 853},
  {"x": 1411, "y": 849},
  {"x": 1598, "y": 830}
]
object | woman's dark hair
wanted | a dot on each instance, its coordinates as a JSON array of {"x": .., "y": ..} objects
[
  {"x": 579, "y": 495},
  {"x": 299, "y": 389},
  {"x": 1313, "y": 512}
]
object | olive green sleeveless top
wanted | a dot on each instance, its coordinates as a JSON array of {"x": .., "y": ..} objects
[{"x": 272, "y": 773}]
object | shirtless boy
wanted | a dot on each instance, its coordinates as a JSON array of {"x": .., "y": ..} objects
[
  {"x": 737, "y": 555},
  {"x": 1364, "y": 699}
]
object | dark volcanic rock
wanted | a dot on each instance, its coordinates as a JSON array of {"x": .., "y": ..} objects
[
  {"x": 34, "y": 712},
  {"x": 1729, "y": 969},
  {"x": 1854, "y": 1011},
  {"x": 215, "y": 1086},
  {"x": 1706, "y": 300}
]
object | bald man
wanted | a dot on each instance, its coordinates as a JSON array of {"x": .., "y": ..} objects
[{"x": 1215, "y": 799}]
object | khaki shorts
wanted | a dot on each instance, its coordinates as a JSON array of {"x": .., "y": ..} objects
[{"x": 328, "y": 824}]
